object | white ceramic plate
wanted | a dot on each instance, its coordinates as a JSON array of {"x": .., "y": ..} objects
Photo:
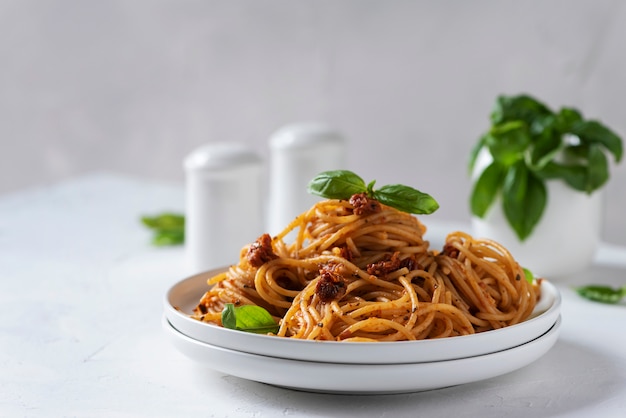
[
  {"x": 184, "y": 296},
  {"x": 362, "y": 378}
]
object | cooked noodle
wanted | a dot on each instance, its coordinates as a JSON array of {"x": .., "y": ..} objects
[{"x": 352, "y": 276}]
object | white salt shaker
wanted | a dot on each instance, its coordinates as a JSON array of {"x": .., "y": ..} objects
[
  {"x": 224, "y": 209},
  {"x": 297, "y": 154}
]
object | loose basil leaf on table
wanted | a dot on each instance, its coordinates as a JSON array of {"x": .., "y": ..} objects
[
  {"x": 166, "y": 220},
  {"x": 165, "y": 238},
  {"x": 603, "y": 294},
  {"x": 248, "y": 318},
  {"x": 169, "y": 228}
]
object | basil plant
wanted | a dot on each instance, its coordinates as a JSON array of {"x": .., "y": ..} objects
[{"x": 530, "y": 144}]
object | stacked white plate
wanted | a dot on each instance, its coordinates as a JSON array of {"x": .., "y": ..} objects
[{"x": 358, "y": 368}]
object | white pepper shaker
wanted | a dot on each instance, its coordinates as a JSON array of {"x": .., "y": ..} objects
[
  {"x": 298, "y": 153},
  {"x": 224, "y": 208}
]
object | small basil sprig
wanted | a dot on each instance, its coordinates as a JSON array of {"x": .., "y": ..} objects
[
  {"x": 169, "y": 228},
  {"x": 342, "y": 184},
  {"x": 603, "y": 294},
  {"x": 530, "y": 144},
  {"x": 248, "y": 318}
]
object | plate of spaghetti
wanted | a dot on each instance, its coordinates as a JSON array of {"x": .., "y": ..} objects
[{"x": 355, "y": 281}]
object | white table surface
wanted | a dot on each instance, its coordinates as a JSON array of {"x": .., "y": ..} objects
[{"x": 81, "y": 295}]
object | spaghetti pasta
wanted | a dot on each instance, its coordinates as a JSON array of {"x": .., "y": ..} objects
[{"x": 366, "y": 273}]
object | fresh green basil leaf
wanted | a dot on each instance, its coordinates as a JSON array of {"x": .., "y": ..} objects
[
  {"x": 165, "y": 220},
  {"x": 248, "y": 318},
  {"x": 576, "y": 153},
  {"x": 337, "y": 184},
  {"x": 530, "y": 277},
  {"x": 524, "y": 198},
  {"x": 597, "y": 168},
  {"x": 229, "y": 318},
  {"x": 486, "y": 188},
  {"x": 515, "y": 182},
  {"x": 535, "y": 203},
  {"x": 406, "y": 199},
  {"x": 567, "y": 117},
  {"x": 603, "y": 294},
  {"x": 575, "y": 175},
  {"x": 543, "y": 125},
  {"x": 164, "y": 238},
  {"x": 507, "y": 142},
  {"x": 594, "y": 132},
  {"x": 169, "y": 228},
  {"x": 547, "y": 144},
  {"x": 514, "y": 108}
]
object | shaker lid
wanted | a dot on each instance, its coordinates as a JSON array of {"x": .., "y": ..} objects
[
  {"x": 304, "y": 135},
  {"x": 219, "y": 156}
]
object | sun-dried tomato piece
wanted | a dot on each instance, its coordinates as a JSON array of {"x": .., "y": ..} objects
[
  {"x": 364, "y": 205},
  {"x": 331, "y": 284},
  {"x": 260, "y": 251},
  {"x": 390, "y": 263}
]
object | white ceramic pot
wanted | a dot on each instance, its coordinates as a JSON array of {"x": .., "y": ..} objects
[{"x": 563, "y": 242}]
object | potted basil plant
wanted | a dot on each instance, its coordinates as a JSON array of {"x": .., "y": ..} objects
[{"x": 538, "y": 177}]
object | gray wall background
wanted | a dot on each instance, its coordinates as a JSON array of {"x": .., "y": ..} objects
[{"x": 133, "y": 86}]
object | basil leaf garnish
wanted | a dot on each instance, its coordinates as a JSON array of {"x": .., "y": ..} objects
[
  {"x": 530, "y": 277},
  {"x": 229, "y": 319},
  {"x": 406, "y": 199},
  {"x": 336, "y": 184},
  {"x": 342, "y": 184},
  {"x": 248, "y": 318}
]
